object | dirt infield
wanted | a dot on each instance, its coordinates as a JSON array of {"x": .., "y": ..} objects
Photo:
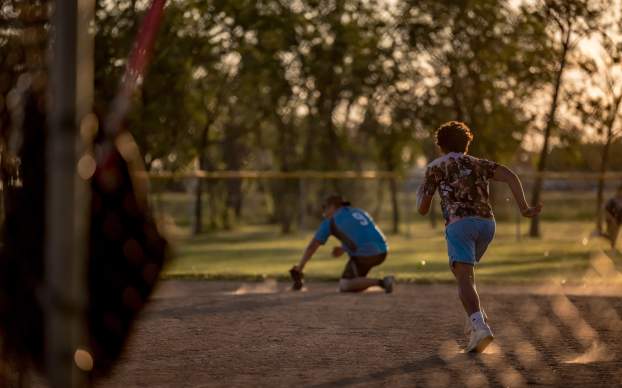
[{"x": 230, "y": 334}]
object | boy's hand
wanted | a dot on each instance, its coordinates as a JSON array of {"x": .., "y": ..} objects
[
  {"x": 531, "y": 211},
  {"x": 337, "y": 251}
]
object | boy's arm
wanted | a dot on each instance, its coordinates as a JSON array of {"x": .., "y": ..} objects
[
  {"x": 504, "y": 174},
  {"x": 314, "y": 244},
  {"x": 425, "y": 193},
  {"x": 423, "y": 202}
]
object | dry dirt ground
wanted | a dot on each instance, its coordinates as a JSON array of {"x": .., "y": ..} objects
[{"x": 233, "y": 334}]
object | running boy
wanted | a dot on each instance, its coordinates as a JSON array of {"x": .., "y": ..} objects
[
  {"x": 360, "y": 239},
  {"x": 462, "y": 181}
]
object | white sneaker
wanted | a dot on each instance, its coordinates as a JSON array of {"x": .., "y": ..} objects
[
  {"x": 480, "y": 339},
  {"x": 388, "y": 282},
  {"x": 468, "y": 325}
]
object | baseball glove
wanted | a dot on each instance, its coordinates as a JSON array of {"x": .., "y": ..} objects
[{"x": 297, "y": 277}]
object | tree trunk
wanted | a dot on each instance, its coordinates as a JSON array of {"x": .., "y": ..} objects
[
  {"x": 604, "y": 164},
  {"x": 225, "y": 216},
  {"x": 329, "y": 140},
  {"x": 379, "y": 200},
  {"x": 601, "y": 185},
  {"x": 534, "y": 230},
  {"x": 454, "y": 94},
  {"x": 213, "y": 206},
  {"x": 394, "y": 206},
  {"x": 239, "y": 202},
  {"x": 197, "y": 225},
  {"x": 233, "y": 152},
  {"x": 310, "y": 144},
  {"x": 234, "y": 196},
  {"x": 285, "y": 208}
]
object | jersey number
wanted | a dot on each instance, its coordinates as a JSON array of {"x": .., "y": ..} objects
[{"x": 360, "y": 218}]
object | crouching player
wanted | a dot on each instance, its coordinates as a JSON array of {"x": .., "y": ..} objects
[
  {"x": 463, "y": 184},
  {"x": 360, "y": 238}
]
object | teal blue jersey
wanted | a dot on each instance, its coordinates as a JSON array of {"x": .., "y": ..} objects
[{"x": 356, "y": 230}]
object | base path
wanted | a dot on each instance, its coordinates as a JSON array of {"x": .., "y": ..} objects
[{"x": 233, "y": 334}]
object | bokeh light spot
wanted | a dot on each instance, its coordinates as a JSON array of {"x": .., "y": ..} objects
[
  {"x": 83, "y": 360},
  {"x": 86, "y": 167}
]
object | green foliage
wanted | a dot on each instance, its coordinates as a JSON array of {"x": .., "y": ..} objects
[
  {"x": 158, "y": 121},
  {"x": 487, "y": 62},
  {"x": 335, "y": 84}
]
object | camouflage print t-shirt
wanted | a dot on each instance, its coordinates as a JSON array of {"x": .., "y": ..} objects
[
  {"x": 614, "y": 207},
  {"x": 462, "y": 182}
]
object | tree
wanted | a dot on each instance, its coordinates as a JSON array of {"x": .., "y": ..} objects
[
  {"x": 301, "y": 85},
  {"x": 600, "y": 106},
  {"x": 262, "y": 98},
  {"x": 568, "y": 21},
  {"x": 211, "y": 46},
  {"x": 391, "y": 120},
  {"x": 485, "y": 59},
  {"x": 611, "y": 127},
  {"x": 156, "y": 118}
]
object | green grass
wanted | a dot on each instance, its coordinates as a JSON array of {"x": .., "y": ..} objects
[{"x": 252, "y": 252}]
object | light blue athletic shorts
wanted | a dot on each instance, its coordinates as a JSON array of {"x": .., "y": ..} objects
[{"x": 468, "y": 239}]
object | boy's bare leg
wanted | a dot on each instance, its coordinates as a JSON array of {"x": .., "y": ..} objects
[
  {"x": 357, "y": 284},
  {"x": 467, "y": 292},
  {"x": 481, "y": 335}
]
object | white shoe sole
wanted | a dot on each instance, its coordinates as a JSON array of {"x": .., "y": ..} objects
[
  {"x": 479, "y": 341},
  {"x": 482, "y": 345}
]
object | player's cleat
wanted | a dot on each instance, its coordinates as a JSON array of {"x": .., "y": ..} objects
[
  {"x": 297, "y": 277},
  {"x": 480, "y": 339},
  {"x": 468, "y": 326},
  {"x": 387, "y": 284}
]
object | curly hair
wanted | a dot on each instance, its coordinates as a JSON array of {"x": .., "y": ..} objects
[{"x": 454, "y": 136}]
